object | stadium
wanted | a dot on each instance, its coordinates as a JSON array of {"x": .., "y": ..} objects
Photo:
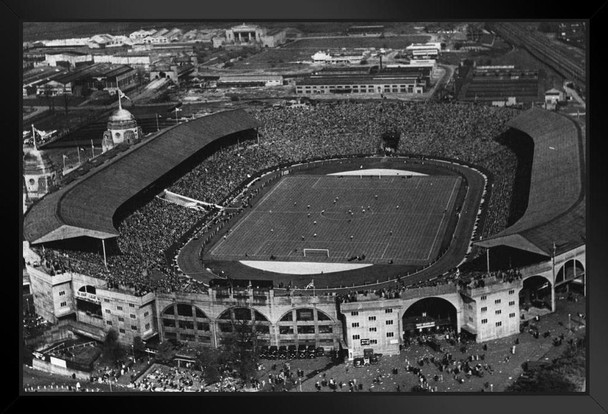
[{"x": 309, "y": 223}]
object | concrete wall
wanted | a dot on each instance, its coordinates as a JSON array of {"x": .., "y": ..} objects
[{"x": 55, "y": 369}]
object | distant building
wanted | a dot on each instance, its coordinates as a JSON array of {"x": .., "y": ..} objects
[
  {"x": 250, "y": 35},
  {"x": 338, "y": 58},
  {"x": 122, "y": 128},
  {"x": 139, "y": 35},
  {"x": 69, "y": 60},
  {"x": 39, "y": 174},
  {"x": 553, "y": 97},
  {"x": 430, "y": 50},
  {"x": 249, "y": 80}
]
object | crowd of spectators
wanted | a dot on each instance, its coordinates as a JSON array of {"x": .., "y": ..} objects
[
  {"x": 463, "y": 132},
  {"x": 170, "y": 379}
]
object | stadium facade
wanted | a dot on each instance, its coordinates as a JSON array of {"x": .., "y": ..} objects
[{"x": 552, "y": 227}]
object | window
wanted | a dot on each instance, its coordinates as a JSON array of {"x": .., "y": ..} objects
[
  {"x": 186, "y": 324},
  {"x": 147, "y": 326},
  {"x": 354, "y": 313},
  {"x": 485, "y": 308},
  {"x": 484, "y": 321},
  {"x": 288, "y": 317},
  {"x": 498, "y": 312},
  {"x": 133, "y": 327},
  {"x": 106, "y": 300},
  {"x": 108, "y": 311},
  {"x": 132, "y": 316},
  {"x": 121, "y": 330},
  {"x": 131, "y": 305},
  {"x": 62, "y": 293},
  {"x": 512, "y": 291},
  {"x": 169, "y": 323},
  {"x": 304, "y": 315},
  {"x": 355, "y": 324},
  {"x": 372, "y": 318},
  {"x": 470, "y": 319},
  {"x": 306, "y": 329},
  {"x": 286, "y": 330},
  {"x": 202, "y": 326},
  {"x": 390, "y": 334},
  {"x": 322, "y": 316},
  {"x": 511, "y": 303},
  {"x": 389, "y": 322},
  {"x": 146, "y": 313},
  {"x": 325, "y": 329},
  {"x": 484, "y": 297},
  {"x": 498, "y": 323},
  {"x": 373, "y": 341},
  {"x": 356, "y": 336},
  {"x": 108, "y": 322},
  {"x": 119, "y": 308},
  {"x": 372, "y": 329},
  {"x": 497, "y": 301},
  {"x": 120, "y": 319},
  {"x": 511, "y": 315},
  {"x": 388, "y": 311},
  {"x": 62, "y": 304}
]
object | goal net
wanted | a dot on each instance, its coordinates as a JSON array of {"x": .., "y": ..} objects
[{"x": 316, "y": 252}]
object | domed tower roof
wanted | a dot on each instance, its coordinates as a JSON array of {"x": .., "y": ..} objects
[
  {"x": 37, "y": 163},
  {"x": 121, "y": 119}
]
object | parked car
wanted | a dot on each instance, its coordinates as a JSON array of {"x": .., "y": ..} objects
[
  {"x": 358, "y": 362},
  {"x": 264, "y": 351},
  {"x": 310, "y": 351},
  {"x": 292, "y": 352},
  {"x": 272, "y": 352},
  {"x": 282, "y": 352},
  {"x": 302, "y": 354}
]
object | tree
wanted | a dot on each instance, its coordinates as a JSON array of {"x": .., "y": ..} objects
[
  {"x": 139, "y": 347},
  {"x": 111, "y": 347},
  {"x": 210, "y": 361},
  {"x": 166, "y": 352}
]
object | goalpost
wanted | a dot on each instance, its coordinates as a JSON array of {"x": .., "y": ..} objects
[{"x": 316, "y": 252}]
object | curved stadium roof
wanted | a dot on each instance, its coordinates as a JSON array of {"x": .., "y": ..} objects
[
  {"x": 556, "y": 205},
  {"x": 86, "y": 206}
]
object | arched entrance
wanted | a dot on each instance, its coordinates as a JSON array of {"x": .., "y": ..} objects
[
  {"x": 186, "y": 322},
  {"x": 535, "y": 294},
  {"x": 88, "y": 302},
  {"x": 571, "y": 276},
  {"x": 429, "y": 315},
  {"x": 245, "y": 325}
]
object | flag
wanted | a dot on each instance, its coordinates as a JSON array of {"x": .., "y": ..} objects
[
  {"x": 311, "y": 285},
  {"x": 122, "y": 94},
  {"x": 65, "y": 156},
  {"x": 81, "y": 149}
]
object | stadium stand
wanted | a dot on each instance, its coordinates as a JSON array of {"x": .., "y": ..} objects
[
  {"x": 81, "y": 209},
  {"x": 555, "y": 209}
]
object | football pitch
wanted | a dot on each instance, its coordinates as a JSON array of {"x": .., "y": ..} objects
[{"x": 398, "y": 219}]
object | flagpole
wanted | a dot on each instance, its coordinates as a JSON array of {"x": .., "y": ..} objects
[
  {"x": 78, "y": 149},
  {"x": 34, "y": 137},
  {"x": 119, "y": 100},
  {"x": 92, "y": 150}
]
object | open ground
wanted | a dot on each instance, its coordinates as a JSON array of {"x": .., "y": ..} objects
[{"x": 381, "y": 218}]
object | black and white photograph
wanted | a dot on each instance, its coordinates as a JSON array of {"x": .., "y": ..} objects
[{"x": 305, "y": 207}]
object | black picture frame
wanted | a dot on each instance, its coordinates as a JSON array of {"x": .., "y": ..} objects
[{"x": 595, "y": 400}]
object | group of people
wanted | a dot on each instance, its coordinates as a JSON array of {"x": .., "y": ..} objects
[
  {"x": 463, "y": 132},
  {"x": 168, "y": 379}
]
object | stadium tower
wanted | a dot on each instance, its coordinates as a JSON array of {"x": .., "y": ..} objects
[
  {"x": 39, "y": 175},
  {"x": 122, "y": 128}
]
